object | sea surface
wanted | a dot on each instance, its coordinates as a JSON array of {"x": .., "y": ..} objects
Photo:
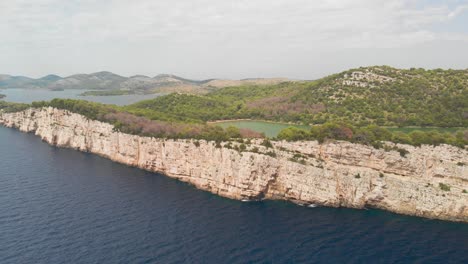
[
  {"x": 19, "y": 95},
  {"x": 64, "y": 206}
]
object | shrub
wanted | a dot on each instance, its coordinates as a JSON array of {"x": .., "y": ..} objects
[
  {"x": 402, "y": 152},
  {"x": 357, "y": 176},
  {"x": 293, "y": 134},
  {"x": 271, "y": 154},
  {"x": 377, "y": 144},
  {"x": 298, "y": 156},
  {"x": 444, "y": 187},
  {"x": 400, "y": 137},
  {"x": 228, "y": 145},
  {"x": 267, "y": 143},
  {"x": 418, "y": 137},
  {"x": 299, "y": 159},
  {"x": 233, "y": 132},
  {"x": 242, "y": 147},
  {"x": 332, "y": 130},
  {"x": 379, "y": 133},
  {"x": 381, "y": 175}
]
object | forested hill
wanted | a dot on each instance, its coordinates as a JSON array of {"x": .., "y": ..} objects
[{"x": 372, "y": 95}]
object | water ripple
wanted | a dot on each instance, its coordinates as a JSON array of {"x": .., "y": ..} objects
[{"x": 63, "y": 206}]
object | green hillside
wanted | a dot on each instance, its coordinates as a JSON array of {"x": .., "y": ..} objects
[
  {"x": 378, "y": 95},
  {"x": 429, "y": 106}
]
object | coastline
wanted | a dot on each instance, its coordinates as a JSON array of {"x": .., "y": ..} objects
[{"x": 335, "y": 174}]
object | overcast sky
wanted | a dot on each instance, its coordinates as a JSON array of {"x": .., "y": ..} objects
[{"x": 199, "y": 39}]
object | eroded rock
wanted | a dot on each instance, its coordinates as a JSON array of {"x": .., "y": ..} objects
[{"x": 330, "y": 174}]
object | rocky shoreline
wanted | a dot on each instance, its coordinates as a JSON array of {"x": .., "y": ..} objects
[{"x": 429, "y": 181}]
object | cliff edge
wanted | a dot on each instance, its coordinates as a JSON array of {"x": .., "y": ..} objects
[{"x": 429, "y": 181}]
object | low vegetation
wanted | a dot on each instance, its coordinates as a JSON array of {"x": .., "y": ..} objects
[
  {"x": 373, "y": 135},
  {"x": 444, "y": 187},
  {"x": 382, "y": 96},
  {"x": 133, "y": 124},
  {"x": 13, "y": 107},
  {"x": 162, "y": 125}
]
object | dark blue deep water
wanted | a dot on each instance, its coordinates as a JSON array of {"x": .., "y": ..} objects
[{"x": 63, "y": 206}]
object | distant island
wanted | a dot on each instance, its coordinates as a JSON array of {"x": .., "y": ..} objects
[
  {"x": 107, "y": 83},
  {"x": 2, "y": 96},
  {"x": 57, "y": 89}
]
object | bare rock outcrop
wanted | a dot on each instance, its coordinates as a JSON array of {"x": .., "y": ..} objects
[{"x": 330, "y": 174}]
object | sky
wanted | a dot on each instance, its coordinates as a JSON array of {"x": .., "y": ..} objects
[{"x": 200, "y": 39}]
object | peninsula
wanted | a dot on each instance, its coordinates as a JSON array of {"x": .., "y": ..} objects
[
  {"x": 345, "y": 160},
  {"x": 429, "y": 181}
]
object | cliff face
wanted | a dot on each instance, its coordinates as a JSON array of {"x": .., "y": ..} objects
[{"x": 331, "y": 174}]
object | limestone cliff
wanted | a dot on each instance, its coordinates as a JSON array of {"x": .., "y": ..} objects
[{"x": 331, "y": 174}]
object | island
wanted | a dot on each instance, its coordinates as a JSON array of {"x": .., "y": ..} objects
[
  {"x": 343, "y": 155},
  {"x": 2, "y": 96},
  {"x": 57, "y": 89}
]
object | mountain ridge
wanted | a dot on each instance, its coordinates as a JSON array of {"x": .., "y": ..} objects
[{"x": 105, "y": 80}]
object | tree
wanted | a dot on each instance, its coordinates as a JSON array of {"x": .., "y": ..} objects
[
  {"x": 293, "y": 134},
  {"x": 233, "y": 132}
]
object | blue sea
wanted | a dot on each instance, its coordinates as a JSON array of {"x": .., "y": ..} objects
[{"x": 64, "y": 206}]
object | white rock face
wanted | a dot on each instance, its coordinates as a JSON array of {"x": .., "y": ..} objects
[
  {"x": 331, "y": 174},
  {"x": 363, "y": 79}
]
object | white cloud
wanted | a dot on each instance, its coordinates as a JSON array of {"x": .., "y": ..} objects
[
  {"x": 458, "y": 10},
  {"x": 242, "y": 27}
]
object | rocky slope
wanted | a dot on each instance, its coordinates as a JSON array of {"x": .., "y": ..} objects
[{"x": 429, "y": 181}]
